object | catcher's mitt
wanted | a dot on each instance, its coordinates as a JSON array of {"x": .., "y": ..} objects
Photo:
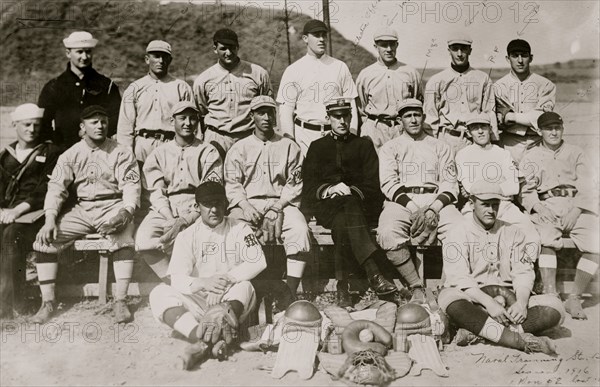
[
  {"x": 366, "y": 367},
  {"x": 219, "y": 320},
  {"x": 423, "y": 229}
]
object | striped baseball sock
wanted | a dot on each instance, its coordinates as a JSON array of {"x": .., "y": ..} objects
[
  {"x": 473, "y": 318},
  {"x": 547, "y": 264},
  {"x": 47, "y": 278},
  {"x": 295, "y": 269},
  {"x": 123, "y": 273},
  {"x": 586, "y": 269}
]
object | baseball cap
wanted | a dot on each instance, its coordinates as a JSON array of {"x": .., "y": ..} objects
[
  {"x": 92, "y": 110},
  {"x": 460, "y": 39},
  {"x": 385, "y": 33},
  {"x": 262, "y": 100},
  {"x": 27, "y": 111},
  {"x": 409, "y": 103},
  {"x": 549, "y": 118},
  {"x": 487, "y": 190},
  {"x": 314, "y": 26},
  {"x": 80, "y": 39},
  {"x": 159, "y": 45},
  {"x": 479, "y": 118},
  {"x": 182, "y": 106},
  {"x": 226, "y": 36},
  {"x": 338, "y": 104},
  {"x": 519, "y": 45},
  {"x": 210, "y": 191}
]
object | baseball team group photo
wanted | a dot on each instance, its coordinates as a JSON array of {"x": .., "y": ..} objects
[{"x": 300, "y": 193}]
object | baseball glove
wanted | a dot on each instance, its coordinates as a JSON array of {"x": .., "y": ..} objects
[
  {"x": 272, "y": 227},
  {"x": 218, "y": 321},
  {"x": 172, "y": 229},
  {"x": 423, "y": 230},
  {"x": 116, "y": 223}
]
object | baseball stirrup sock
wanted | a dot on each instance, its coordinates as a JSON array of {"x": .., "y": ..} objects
[
  {"x": 547, "y": 258},
  {"x": 47, "y": 279},
  {"x": 295, "y": 269},
  {"x": 123, "y": 273},
  {"x": 539, "y": 318},
  {"x": 408, "y": 271},
  {"x": 547, "y": 265},
  {"x": 473, "y": 318},
  {"x": 586, "y": 269}
]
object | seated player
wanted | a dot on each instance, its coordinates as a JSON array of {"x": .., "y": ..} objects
[
  {"x": 561, "y": 192},
  {"x": 212, "y": 264},
  {"x": 341, "y": 189},
  {"x": 106, "y": 181},
  {"x": 172, "y": 172},
  {"x": 24, "y": 169},
  {"x": 418, "y": 178},
  {"x": 488, "y": 251},
  {"x": 483, "y": 160},
  {"x": 264, "y": 184}
]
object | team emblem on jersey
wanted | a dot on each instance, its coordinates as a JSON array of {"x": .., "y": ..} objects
[
  {"x": 213, "y": 176},
  {"x": 131, "y": 176},
  {"x": 451, "y": 170},
  {"x": 250, "y": 240},
  {"x": 297, "y": 175}
]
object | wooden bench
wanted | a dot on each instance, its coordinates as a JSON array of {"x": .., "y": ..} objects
[
  {"x": 322, "y": 236},
  {"x": 95, "y": 242}
]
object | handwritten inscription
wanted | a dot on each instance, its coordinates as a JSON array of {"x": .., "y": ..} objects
[{"x": 578, "y": 368}]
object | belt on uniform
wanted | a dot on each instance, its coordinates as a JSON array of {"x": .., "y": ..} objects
[
  {"x": 162, "y": 135},
  {"x": 99, "y": 198},
  {"x": 389, "y": 121},
  {"x": 419, "y": 190},
  {"x": 243, "y": 134},
  {"x": 560, "y": 191},
  {"x": 455, "y": 133},
  {"x": 183, "y": 191},
  {"x": 309, "y": 126}
]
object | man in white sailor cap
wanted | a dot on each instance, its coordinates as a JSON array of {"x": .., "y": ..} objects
[
  {"x": 79, "y": 86},
  {"x": 24, "y": 168}
]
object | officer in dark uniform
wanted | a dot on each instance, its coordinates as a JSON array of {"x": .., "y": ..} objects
[
  {"x": 341, "y": 189},
  {"x": 24, "y": 168},
  {"x": 64, "y": 97}
]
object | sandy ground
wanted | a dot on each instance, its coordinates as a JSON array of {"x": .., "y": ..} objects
[{"x": 83, "y": 347}]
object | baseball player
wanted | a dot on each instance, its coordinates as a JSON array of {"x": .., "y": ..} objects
[
  {"x": 223, "y": 93},
  {"x": 341, "y": 189},
  {"x": 382, "y": 86},
  {"x": 521, "y": 97},
  {"x": 145, "y": 115},
  {"x": 263, "y": 175},
  {"x": 211, "y": 268},
  {"x": 452, "y": 95},
  {"x": 24, "y": 168},
  {"x": 561, "y": 192},
  {"x": 172, "y": 172},
  {"x": 418, "y": 178},
  {"x": 79, "y": 86},
  {"x": 487, "y": 251},
  {"x": 106, "y": 181},
  {"x": 483, "y": 160},
  {"x": 306, "y": 85}
]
